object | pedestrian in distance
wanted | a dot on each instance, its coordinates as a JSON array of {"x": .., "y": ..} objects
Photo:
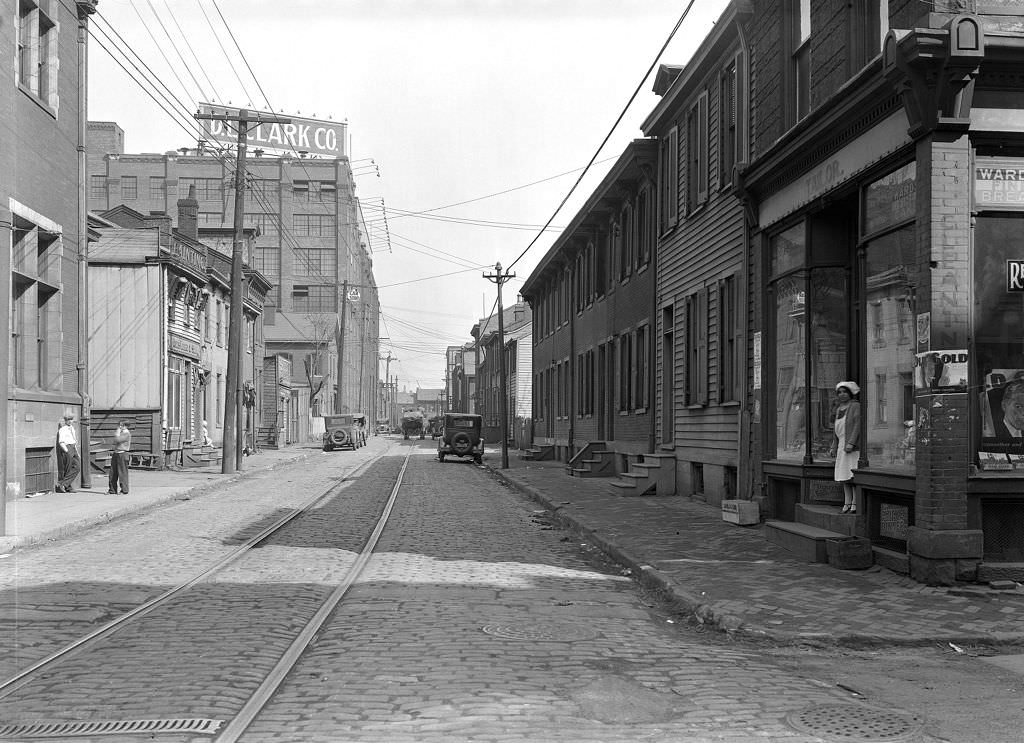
[
  {"x": 119, "y": 459},
  {"x": 69, "y": 464},
  {"x": 846, "y": 434}
]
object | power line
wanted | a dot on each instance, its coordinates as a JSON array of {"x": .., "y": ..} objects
[{"x": 618, "y": 120}]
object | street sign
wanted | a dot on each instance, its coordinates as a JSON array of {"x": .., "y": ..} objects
[{"x": 353, "y": 295}]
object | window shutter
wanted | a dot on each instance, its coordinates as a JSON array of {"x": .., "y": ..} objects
[{"x": 702, "y": 152}]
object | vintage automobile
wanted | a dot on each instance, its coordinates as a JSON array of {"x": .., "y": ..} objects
[
  {"x": 341, "y": 431},
  {"x": 461, "y": 436},
  {"x": 412, "y": 424},
  {"x": 434, "y": 426}
]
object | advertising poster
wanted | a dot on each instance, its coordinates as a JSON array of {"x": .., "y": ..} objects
[
  {"x": 1001, "y": 446},
  {"x": 941, "y": 371},
  {"x": 924, "y": 331}
]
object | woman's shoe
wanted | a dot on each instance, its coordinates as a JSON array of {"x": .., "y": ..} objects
[
  {"x": 853, "y": 509},
  {"x": 846, "y": 508}
]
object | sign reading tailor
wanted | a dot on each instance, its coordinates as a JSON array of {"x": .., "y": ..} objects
[{"x": 314, "y": 136}]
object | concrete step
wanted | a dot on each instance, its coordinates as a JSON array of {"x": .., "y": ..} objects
[
  {"x": 805, "y": 541},
  {"x": 624, "y": 484},
  {"x": 829, "y": 518}
]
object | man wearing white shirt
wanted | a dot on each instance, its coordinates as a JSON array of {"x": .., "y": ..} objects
[{"x": 69, "y": 464}]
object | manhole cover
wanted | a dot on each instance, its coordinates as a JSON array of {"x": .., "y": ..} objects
[
  {"x": 552, "y": 632},
  {"x": 847, "y": 722}
]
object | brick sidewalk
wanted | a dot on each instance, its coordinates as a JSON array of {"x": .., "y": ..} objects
[{"x": 732, "y": 577}]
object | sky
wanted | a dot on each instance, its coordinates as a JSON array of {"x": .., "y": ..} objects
[{"x": 469, "y": 121}]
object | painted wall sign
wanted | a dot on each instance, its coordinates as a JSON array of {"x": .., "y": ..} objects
[
  {"x": 184, "y": 346},
  {"x": 757, "y": 360},
  {"x": 314, "y": 136},
  {"x": 1015, "y": 276},
  {"x": 875, "y": 144},
  {"x": 999, "y": 183}
]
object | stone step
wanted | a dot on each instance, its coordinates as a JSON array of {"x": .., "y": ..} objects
[
  {"x": 805, "y": 541},
  {"x": 829, "y": 518},
  {"x": 624, "y": 484}
]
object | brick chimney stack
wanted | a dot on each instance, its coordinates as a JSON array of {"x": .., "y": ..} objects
[{"x": 188, "y": 214}]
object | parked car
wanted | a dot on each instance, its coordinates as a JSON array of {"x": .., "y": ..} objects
[
  {"x": 461, "y": 436},
  {"x": 341, "y": 431},
  {"x": 412, "y": 424},
  {"x": 383, "y": 429}
]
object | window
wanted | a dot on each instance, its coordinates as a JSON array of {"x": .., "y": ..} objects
[
  {"x": 219, "y": 324},
  {"x": 129, "y": 187},
  {"x": 697, "y": 348},
  {"x": 207, "y": 189},
  {"x": 220, "y": 400},
  {"x": 640, "y": 369},
  {"x": 668, "y": 178},
  {"x": 35, "y": 305},
  {"x": 625, "y": 372},
  {"x": 881, "y": 413},
  {"x": 730, "y": 359},
  {"x": 867, "y": 25},
  {"x": 728, "y": 127},
  {"x": 157, "y": 187},
  {"x": 315, "y": 225},
  {"x": 645, "y": 231},
  {"x": 800, "y": 62},
  {"x": 209, "y": 219},
  {"x": 263, "y": 189},
  {"x": 37, "y": 50},
  {"x": 175, "y": 391},
  {"x": 314, "y": 298},
  {"x": 97, "y": 187},
  {"x": 697, "y": 154},
  {"x": 267, "y": 224},
  {"x": 313, "y": 262},
  {"x": 267, "y": 261},
  {"x": 624, "y": 241}
]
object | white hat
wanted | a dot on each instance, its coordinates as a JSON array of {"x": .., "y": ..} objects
[{"x": 853, "y": 387}]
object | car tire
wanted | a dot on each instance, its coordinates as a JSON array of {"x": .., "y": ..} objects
[
  {"x": 478, "y": 459},
  {"x": 328, "y": 448},
  {"x": 462, "y": 443}
]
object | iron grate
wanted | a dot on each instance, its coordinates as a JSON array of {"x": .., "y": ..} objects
[
  {"x": 541, "y": 632},
  {"x": 856, "y": 724},
  {"x": 67, "y": 729}
]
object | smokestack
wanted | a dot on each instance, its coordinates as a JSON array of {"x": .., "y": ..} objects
[{"x": 188, "y": 214}]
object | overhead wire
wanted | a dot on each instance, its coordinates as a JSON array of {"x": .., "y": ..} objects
[{"x": 618, "y": 120}]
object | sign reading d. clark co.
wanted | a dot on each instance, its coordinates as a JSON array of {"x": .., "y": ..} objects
[{"x": 302, "y": 135}]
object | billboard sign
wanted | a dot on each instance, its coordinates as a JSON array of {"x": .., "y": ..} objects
[{"x": 312, "y": 136}]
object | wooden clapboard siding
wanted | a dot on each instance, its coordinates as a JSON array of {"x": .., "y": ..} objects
[
  {"x": 124, "y": 336},
  {"x": 524, "y": 374}
]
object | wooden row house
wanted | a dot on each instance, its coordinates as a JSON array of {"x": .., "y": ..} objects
[{"x": 834, "y": 195}]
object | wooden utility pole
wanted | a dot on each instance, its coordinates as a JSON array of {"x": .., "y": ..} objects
[
  {"x": 232, "y": 455},
  {"x": 338, "y": 407},
  {"x": 499, "y": 278}
]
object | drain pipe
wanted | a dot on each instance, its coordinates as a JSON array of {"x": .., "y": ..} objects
[{"x": 85, "y": 9}]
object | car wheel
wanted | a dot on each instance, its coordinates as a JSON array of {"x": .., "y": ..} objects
[{"x": 328, "y": 448}]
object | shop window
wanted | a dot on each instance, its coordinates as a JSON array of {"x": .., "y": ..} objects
[
  {"x": 999, "y": 346},
  {"x": 891, "y": 290},
  {"x": 812, "y": 334}
]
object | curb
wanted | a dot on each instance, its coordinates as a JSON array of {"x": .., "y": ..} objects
[
  {"x": 11, "y": 544},
  {"x": 712, "y": 617}
]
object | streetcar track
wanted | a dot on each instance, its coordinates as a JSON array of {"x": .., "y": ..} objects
[{"x": 27, "y": 675}]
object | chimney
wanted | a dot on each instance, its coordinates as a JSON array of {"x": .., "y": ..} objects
[
  {"x": 519, "y": 311},
  {"x": 188, "y": 214}
]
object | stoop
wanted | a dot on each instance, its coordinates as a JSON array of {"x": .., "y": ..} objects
[
  {"x": 802, "y": 540},
  {"x": 656, "y": 472}
]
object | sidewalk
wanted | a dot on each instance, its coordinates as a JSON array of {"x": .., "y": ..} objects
[
  {"x": 731, "y": 577},
  {"x": 55, "y": 515}
]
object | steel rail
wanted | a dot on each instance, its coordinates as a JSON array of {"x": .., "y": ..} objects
[
  {"x": 254, "y": 705},
  {"x": 24, "y": 677}
]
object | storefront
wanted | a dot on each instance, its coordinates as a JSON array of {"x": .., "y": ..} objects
[{"x": 890, "y": 237}]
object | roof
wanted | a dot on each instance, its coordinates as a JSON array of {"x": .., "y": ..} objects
[{"x": 125, "y": 245}]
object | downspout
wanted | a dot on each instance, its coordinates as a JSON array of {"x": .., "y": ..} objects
[
  {"x": 744, "y": 462},
  {"x": 85, "y": 9},
  {"x": 570, "y": 453}
]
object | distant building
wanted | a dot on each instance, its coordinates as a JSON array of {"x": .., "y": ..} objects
[
  {"x": 311, "y": 245},
  {"x": 518, "y": 352}
]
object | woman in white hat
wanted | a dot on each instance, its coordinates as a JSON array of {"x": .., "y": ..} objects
[{"x": 844, "y": 442}]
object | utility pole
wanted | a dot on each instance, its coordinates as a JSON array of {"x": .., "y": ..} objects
[
  {"x": 499, "y": 278},
  {"x": 232, "y": 455},
  {"x": 338, "y": 407}
]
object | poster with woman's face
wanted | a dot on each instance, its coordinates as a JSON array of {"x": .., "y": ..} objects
[{"x": 1002, "y": 420}]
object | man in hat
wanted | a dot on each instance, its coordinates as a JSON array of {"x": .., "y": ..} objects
[{"x": 69, "y": 464}]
